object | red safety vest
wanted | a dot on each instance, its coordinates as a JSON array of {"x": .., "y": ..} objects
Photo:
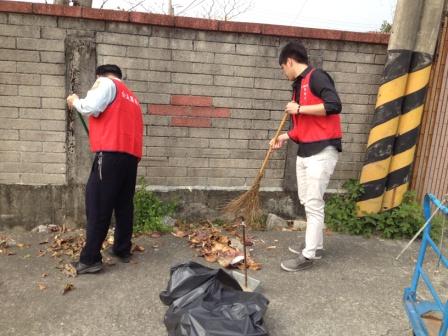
[
  {"x": 119, "y": 128},
  {"x": 310, "y": 128}
]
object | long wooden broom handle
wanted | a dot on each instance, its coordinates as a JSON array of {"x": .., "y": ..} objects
[{"x": 268, "y": 154}]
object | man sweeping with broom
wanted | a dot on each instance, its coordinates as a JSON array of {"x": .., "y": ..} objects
[{"x": 316, "y": 128}]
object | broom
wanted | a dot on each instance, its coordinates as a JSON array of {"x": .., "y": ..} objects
[{"x": 248, "y": 204}]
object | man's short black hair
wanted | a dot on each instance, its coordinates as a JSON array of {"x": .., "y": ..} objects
[
  {"x": 109, "y": 69},
  {"x": 294, "y": 50}
]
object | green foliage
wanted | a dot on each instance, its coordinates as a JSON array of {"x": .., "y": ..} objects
[
  {"x": 149, "y": 210},
  {"x": 400, "y": 222},
  {"x": 386, "y": 27}
]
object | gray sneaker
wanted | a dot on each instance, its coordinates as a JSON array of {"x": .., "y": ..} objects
[
  {"x": 83, "y": 268},
  {"x": 299, "y": 248},
  {"x": 297, "y": 264}
]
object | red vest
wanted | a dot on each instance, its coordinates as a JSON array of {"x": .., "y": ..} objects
[
  {"x": 310, "y": 128},
  {"x": 119, "y": 128}
]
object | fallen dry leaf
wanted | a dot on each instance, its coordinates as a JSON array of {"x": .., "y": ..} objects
[
  {"x": 179, "y": 234},
  {"x": 68, "y": 287},
  {"x": 69, "y": 271},
  {"x": 43, "y": 275},
  {"x": 137, "y": 248},
  {"x": 42, "y": 286},
  {"x": 271, "y": 247},
  {"x": 155, "y": 235}
]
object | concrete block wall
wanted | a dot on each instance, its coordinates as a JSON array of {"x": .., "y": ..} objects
[{"x": 212, "y": 92}]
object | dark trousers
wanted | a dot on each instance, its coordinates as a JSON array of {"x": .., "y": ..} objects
[{"x": 110, "y": 188}]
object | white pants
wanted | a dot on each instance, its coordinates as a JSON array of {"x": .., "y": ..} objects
[{"x": 313, "y": 175}]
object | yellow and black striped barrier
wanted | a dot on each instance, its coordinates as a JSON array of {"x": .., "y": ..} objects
[
  {"x": 406, "y": 138},
  {"x": 381, "y": 140}
]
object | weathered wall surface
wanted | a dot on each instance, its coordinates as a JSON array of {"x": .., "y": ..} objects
[{"x": 212, "y": 94}]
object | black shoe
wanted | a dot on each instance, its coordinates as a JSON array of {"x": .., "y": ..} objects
[
  {"x": 299, "y": 248},
  {"x": 123, "y": 258},
  {"x": 297, "y": 264},
  {"x": 83, "y": 268}
]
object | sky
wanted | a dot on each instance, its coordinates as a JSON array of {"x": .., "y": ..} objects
[{"x": 351, "y": 15}]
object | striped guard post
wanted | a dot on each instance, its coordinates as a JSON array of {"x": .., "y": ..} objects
[
  {"x": 381, "y": 139},
  {"x": 406, "y": 138}
]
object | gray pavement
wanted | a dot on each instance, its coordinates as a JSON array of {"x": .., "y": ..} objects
[{"x": 356, "y": 289}]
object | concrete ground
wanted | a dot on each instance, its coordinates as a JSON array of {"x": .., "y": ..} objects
[{"x": 356, "y": 289}]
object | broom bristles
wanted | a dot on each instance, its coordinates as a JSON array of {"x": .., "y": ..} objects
[{"x": 247, "y": 204}]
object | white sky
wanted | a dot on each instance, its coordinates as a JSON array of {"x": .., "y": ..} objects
[{"x": 352, "y": 15}]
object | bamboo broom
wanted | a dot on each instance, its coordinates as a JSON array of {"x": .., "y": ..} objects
[{"x": 248, "y": 204}]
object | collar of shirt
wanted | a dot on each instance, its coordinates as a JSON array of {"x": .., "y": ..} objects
[{"x": 299, "y": 78}]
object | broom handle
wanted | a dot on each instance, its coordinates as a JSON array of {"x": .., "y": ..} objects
[{"x": 268, "y": 154}]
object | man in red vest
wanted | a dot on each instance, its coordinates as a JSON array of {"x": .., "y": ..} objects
[
  {"x": 116, "y": 132},
  {"x": 316, "y": 128}
]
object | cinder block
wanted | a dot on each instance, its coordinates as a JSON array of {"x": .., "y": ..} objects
[
  {"x": 54, "y": 147},
  {"x": 41, "y": 91},
  {"x": 250, "y": 114},
  {"x": 128, "y": 63},
  {"x": 53, "y": 125},
  {"x": 380, "y": 59},
  {"x": 40, "y": 68},
  {"x": 52, "y": 57},
  {"x": 19, "y": 55},
  {"x": 159, "y": 42},
  {"x": 148, "y": 53},
  {"x": 32, "y": 20},
  {"x": 213, "y": 46},
  {"x": 225, "y": 182},
  {"x": 49, "y": 80},
  {"x": 9, "y": 178},
  {"x": 264, "y": 124},
  {"x": 166, "y": 171},
  {"x": 6, "y": 134},
  {"x": 9, "y": 112},
  {"x": 122, "y": 39},
  {"x": 15, "y": 101},
  {"x": 353, "y": 57},
  {"x": 53, "y": 33},
  {"x": 45, "y": 157},
  {"x": 190, "y": 122},
  {"x": 76, "y": 23},
  {"x": 161, "y": 131},
  {"x": 239, "y": 103},
  {"x": 54, "y": 103},
  {"x": 26, "y": 167},
  {"x": 40, "y": 44},
  {"x": 341, "y": 77},
  {"x": 370, "y": 68},
  {"x": 216, "y": 37},
  {"x": 180, "y": 44},
  {"x": 126, "y": 28},
  {"x": 55, "y": 168},
  {"x": 188, "y": 162},
  {"x": 8, "y": 90},
  {"x": 8, "y": 42},
  {"x": 8, "y": 66},
  {"x": 192, "y": 79},
  {"x": 20, "y": 146},
  {"x": 212, "y": 91},
  {"x": 265, "y": 83},
  {"x": 171, "y": 88},
  {"x": 42, "y": 114},
  {"x": 193, "y": 56},
  {"x": 247, "y": 92},
  {"x": 354, "y": 99},
  {"x": 43, "y": 179},
  {"x": 9, "y": 167},
  {"x": 231, "y": 123},
  {"x": 235, "y": 59},
  {"x": 248, "y": 134},
  {"x": 209, "y": 133},
  {"x": 28, "y": 135},
  {"x": 241, "y": 82},
  {"x": 9, "y": 156},
  {"x": 20, "y": 31},
  {"x": 18, "y": 79},
  {"x": 228, "y": 143}
]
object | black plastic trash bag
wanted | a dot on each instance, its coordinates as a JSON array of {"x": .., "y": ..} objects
[{"x": 209, "y": 302}]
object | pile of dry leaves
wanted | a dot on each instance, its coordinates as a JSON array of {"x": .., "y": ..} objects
[{"x": 218, "y": 244}]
